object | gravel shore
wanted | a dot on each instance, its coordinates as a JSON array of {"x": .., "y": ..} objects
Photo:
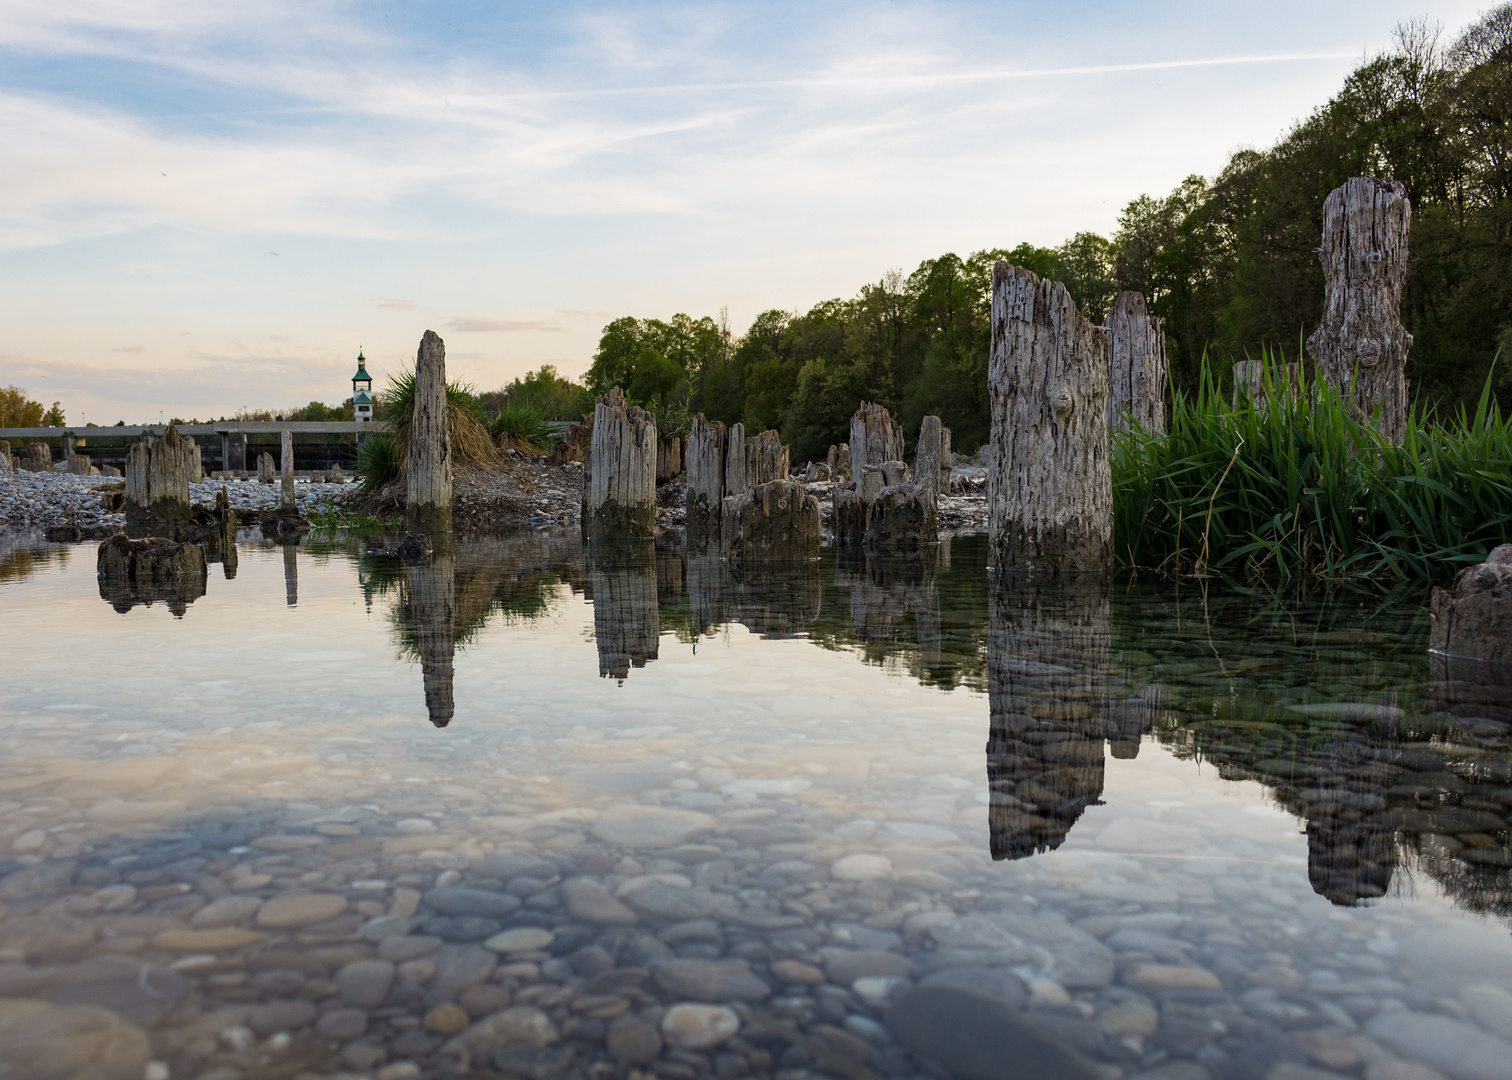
[{"x": 48, "y": 499}]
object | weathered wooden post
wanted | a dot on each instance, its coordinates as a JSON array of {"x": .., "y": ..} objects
[
  {"x": 669, "y": 458},
  {"x": 838, "y": 461},
  {"x": 6, "y": 461},
  {"x": 619, "y": 483},
  {"x": 428, "y": 495},
  {"x": 931, "y": 456},
  {"x": 195, "y": 463},
  {"x": 766, "y": 460},
  {"x": 778, "y": 520},
  {"x": 1360, "y": 345},
  {"x": 736, "y": 480},
  {"x": 265, "y": 469},
  {"x": 68, "y": 451},
  {"x": 875, "y": 437},
  {"x": 1137, "y": 364},
  {"x": 1050, "y": 489},
  {"x": 38, "y": 457},
  {"x": 286, "y": 470},
  {"x": 706, "y": 476},
  {"x": 79, "y": 464},
  {"x": 157, "y": 483},
  {"x": 150, "y": 570}
]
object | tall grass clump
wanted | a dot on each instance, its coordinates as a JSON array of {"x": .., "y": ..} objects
[
  {"x": 1298, "y": 486},
  {"x": 377, "y": 462},
  {"x": 470, "y": 441},
  {"x": 521, "y": 426}
]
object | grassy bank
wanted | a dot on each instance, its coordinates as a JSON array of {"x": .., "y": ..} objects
[{"x": 1297, "y": 487}]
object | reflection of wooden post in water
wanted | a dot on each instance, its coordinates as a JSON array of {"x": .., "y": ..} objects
[
  {"x": 622, "y": 582},
  {"x": 1048, "y": 663},
  {"x": 433, "y": 606},
  {"x": 1351, "y": 840},
  {"x": 707, "y": 587},
  {"x": 291, "y": 574}
]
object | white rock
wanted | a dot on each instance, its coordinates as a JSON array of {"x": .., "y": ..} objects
[
  {"x": 862, "y": 868},
  {"x": 699, "y": 1027}
]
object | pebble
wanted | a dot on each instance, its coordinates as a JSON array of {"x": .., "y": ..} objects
[
  {"x": 796, "y": 971},
  {"x": 342, "y": 1025},
  {"x": 699, "y": 1027},
  {"x": 365, "y": 984},
  {"x": 973, "y": 1035},
  {"x": 710, "y": 980},
  {"x": 297, "y": 912},
  {"x": 525, "y": 939},
  {"x": 472, "y": 903},
  {"x": 281, "y": 1016},
  {"x": 589, "y": 902},
  {"x": 862, "y": 868},
  {"x": 633, "y": 826},
  {"x": 1130, "y": 1018},
  {"x": 1162, "y": 978},
  {"x": 633, "y": 1041},
  {"x": 42, "y": 1040},
  {"x": 227, "y": 911},
  {"x": 206, "y": 941},
  {"x": 1456, "y": 1049},
  {"x": 447, "y": 1019},
  {"x": 845, "y": 966}
]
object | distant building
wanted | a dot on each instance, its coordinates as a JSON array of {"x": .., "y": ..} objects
[{"x": 362, "y": 391}]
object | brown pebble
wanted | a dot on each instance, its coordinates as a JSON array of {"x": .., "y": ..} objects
[
  {"x": 483, "y": 1000},
  {"x": 446, "y": 1019},
  {"x": 633, "y": 1041},
  {"x": 796, "y": 972}
]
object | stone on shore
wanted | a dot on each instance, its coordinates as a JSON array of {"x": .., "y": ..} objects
[
  {"x": 634, "y": 826},
  {"x": 699, "y": 1027},
  {"x": 41, "y": 1041},
  {"x": 297, "y": 912}
]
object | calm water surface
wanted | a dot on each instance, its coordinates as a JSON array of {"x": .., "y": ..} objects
[{"x": 536, "y": 812}]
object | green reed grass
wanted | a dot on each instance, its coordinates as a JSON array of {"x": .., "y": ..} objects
[
  {"x": 1300, "y": 487},
  {"x": 521, "y": 426}
]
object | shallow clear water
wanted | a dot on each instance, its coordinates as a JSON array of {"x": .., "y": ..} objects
[{"x": 856, "y": 819}]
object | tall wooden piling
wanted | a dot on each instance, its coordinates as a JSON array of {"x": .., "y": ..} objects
[
  {"x": 1050, "y": 489},
  {"x": 1360, "y": 345},
  {"x": 766, "y": 460},
  {"x": 1137, "y": 365},
  {"x": 619, "y": 485},
  {"x": 932, "y": 456},
  {"x": 736, "y": 480},
  {"x": 157, "y": 483},
  {"x": 286, "y": 471},
  {"x": 706, "y": 475},
  {"x": 266, "y": 470},
  {"x": 428, "y": 495}
]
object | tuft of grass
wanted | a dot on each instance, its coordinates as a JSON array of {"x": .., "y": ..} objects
[
  {"x": 466, "y": 432},
  {"x": 521, "y": 426},
  {"x": 377, "y": 462},
  {"x": 1299, "y": 487}
]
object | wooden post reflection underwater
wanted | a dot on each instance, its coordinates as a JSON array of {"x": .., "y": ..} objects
[
  {"x": 626, "y": 622},
  {"x": 433, "y": 607},
  {"x": 1049, "y": 659},
  {"x": 291, "y": 574}
]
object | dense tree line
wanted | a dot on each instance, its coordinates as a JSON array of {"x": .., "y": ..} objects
[
  {"x": 1230, "y": 264},
  {"x": 18, "y": 410}
]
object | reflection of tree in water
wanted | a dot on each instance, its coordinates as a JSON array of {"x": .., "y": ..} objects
[{"x": 21, "y": 555}]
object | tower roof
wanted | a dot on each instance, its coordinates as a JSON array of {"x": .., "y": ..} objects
[{"x": 362, "y": 372}]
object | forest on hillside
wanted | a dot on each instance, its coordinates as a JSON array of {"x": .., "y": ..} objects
[{"x": 1228, "y": 263}]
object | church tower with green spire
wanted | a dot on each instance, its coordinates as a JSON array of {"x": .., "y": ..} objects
[{"x": 362, "y": 391}]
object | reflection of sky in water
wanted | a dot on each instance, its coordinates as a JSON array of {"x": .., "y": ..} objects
[{"x": 715, "y": 699}]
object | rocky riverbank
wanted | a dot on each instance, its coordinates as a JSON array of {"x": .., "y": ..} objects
[{"x": 45, "y": 500}]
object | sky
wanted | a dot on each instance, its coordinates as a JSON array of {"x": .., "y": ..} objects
[{"x": 209, "y": 205}]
